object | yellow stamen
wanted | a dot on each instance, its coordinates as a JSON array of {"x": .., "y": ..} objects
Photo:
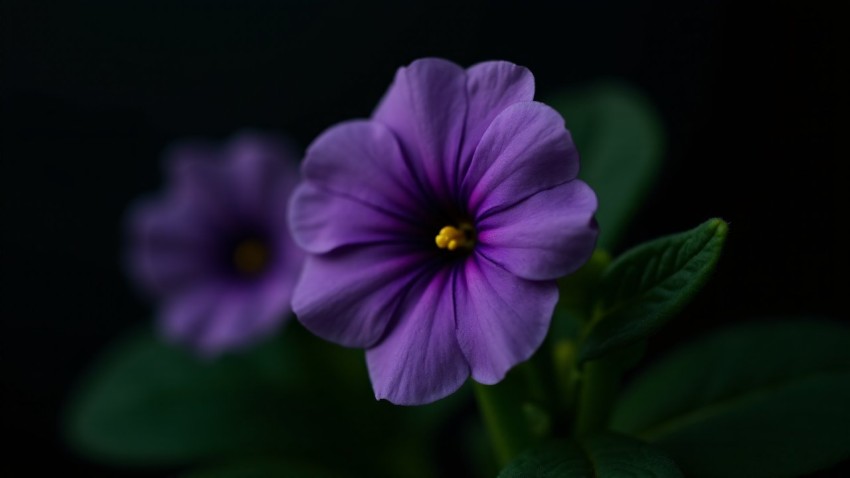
[
  {"x": 453, "y": 238},
  {"x": 250, "y": 256}
]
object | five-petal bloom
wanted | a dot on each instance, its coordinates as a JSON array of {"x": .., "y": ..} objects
[
  {"x": 214, "y": 249},
  {"x": 436, "y": 229}
]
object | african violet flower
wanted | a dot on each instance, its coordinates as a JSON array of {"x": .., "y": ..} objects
[
  {"x": 436, "y": 228},
  {"x": 214, "y": 249}
]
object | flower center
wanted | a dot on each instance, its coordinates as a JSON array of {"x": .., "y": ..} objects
[
  {"x": 454, "y": 238},
  {"x": 250, "y": 257}
]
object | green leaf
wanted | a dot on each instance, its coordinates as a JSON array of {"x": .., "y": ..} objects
[
  {"x": 764, "y": 399},
  {"x": 295, "y": 397},
  {"x": 148, "y": 402},
  {"x": 647, "y": 285},
  {"x": 602, "y": 455},
  {"x": 621, "y": 142}
]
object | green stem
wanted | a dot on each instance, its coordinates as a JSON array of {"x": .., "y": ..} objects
[
  {"x": 599, "y": 386},
  {"x": 516, "y": 411},
  {"x": 504, "y": 421},
  {"x": 566, "y": 375}
]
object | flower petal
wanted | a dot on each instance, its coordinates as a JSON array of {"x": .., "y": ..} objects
[
  {"x": 198, "y": 178},
  {"x": 525, "y": 150},
  {"x": 245, "y": 184},
  {"x": 501, "y": 319},
  {"x": 263, "y": 171},
  {"x": 349, "y": 295},
  {"x": 230, "y": 325},
  {"x": 362, "y": 160},
  {"x": 419, "y": 361},
  {"x": 549, "y": 235},
  {"x": 322, "y": 221},
  {"x": 219, "y": 316},
  {"x": 273, "y": 291},
  {"x": 426, "y": 109},
  {"x": 184, "y": 317},
  {"x": 170, "y": 248},
  {"x": 491, "y": 87},
  {"x": 236, "y": 322}
]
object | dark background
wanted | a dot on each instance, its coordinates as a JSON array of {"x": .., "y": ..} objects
[{"x": 91, "y": 93}]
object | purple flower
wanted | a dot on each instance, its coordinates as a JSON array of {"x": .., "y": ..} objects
[
  {"x": 214, "y": 249},
  {"x": 436, "y": 229}
]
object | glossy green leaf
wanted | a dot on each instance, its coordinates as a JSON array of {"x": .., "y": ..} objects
[
  {"x": 621, "y": 142},
  {"x": 294, "y": 397},
  {"x": 765, "y": 399},
  {"x": 647, "y": 285},
  {"x": 602, "y": 455}
]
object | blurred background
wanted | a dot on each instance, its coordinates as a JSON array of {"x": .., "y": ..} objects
[{"x": 91, "y": 93}]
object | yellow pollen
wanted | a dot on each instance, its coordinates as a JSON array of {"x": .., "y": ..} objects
[
  {"x": 452, "y": 238},
  {"x": 250, "y": 256}
]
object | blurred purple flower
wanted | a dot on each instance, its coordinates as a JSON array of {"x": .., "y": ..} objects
[
  {"x": 437, "y": 227},
  {"x": 214, "y": 249}
]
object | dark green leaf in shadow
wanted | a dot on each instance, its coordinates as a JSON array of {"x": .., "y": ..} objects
[
  {"x": 647, "y": 285},
  {"x": 602, "y": 455},
  {"x": 757, "y": 400},
  {"x": 148, "y": 403},
  {"x": 621, "y": 142}
]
